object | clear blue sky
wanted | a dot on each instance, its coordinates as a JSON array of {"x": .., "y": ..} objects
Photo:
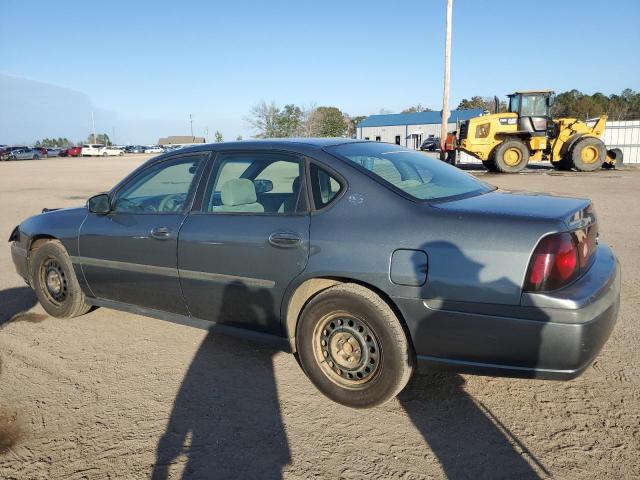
[{"x": 157, "y": 61}]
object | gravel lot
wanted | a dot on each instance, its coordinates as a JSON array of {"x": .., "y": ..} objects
[{"x": 115, "y": 395}]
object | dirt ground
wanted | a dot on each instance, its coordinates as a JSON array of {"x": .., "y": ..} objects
[{"x": 115, "y": 395}]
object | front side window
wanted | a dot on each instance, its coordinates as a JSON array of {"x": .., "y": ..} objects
[
  {"x": 514, "y": 104},
  {"x": 256, "y": 183},
  {"x": 420, "y": 176},
  {"x": 163, "y": 189}
]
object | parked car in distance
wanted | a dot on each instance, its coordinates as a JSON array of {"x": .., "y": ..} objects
[
  {"x": 99, "y": 150},
  {"x": 134, "y": 149},
  {"x": 5, "y": 152},
  {"x": 367, "y": 259},
  {"x": 42, "y": 151},
  {"x": 431, "y": 144},
  {"x": 53, "y": 152},
  {"x": 153, "y": 149},
  {"x": 26, "y": 153},
  {"x": 75, "y": 151}
]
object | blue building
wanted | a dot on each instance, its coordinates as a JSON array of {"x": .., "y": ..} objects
[{"x": 409, "y": 129}]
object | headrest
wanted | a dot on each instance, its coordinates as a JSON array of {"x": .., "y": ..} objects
[
  {"x": 295, "y": 185},
  {"x": 238, "y": 191}
]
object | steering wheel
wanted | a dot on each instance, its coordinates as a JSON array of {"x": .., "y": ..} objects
[{"x": 171, "y": 203}]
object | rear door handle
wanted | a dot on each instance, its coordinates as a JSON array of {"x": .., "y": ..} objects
[
  {"x": 160, "y": 233},
  {"x": 284, "y": 239}
]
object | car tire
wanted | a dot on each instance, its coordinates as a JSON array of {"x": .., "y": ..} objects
[
  {"x": 55, "y": 282},
  {"x": 588, "y": 154},
  {"x": 511, "y": 156},
  {"x": 370, "y": 358}
]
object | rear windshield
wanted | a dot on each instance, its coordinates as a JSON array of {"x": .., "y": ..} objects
[{"x": 416, "y": 174}]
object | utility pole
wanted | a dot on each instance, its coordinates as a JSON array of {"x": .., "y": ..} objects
[
  {"x": 447, "y": 68},
  {"x": 191, "y": 123},
  {"x": 93, "y": 126}
]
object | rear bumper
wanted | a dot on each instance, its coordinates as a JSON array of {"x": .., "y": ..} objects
[{"x": 552, "y": 336}]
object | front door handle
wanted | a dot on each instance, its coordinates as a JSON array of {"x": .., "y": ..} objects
[
  {"x": 284, "y": 239},
  {"x": 160, "y": 233}
]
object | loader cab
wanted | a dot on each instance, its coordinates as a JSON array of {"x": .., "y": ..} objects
[{"x": 533, "y": 109}]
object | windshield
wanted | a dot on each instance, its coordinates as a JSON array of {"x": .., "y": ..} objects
[
  {"x": 416, "y": 174},
  {"x": 534, "y": 106}
]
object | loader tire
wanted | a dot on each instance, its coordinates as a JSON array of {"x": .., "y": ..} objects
[
  {"x": 588, "y": 154},
  {"x": 511, "y": 156}
]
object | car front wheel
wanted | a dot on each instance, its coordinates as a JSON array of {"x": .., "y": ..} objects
[
  {"x": 55, "y": 282},
  {"x": 352, "y": 346}
]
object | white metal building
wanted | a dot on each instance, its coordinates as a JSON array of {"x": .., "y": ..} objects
[{"x": 409, "y": 129}]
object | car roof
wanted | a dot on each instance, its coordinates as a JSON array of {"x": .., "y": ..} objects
[{"x": 272, "y": 143}]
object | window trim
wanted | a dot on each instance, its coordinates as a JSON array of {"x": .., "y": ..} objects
[
  {"x": 191, "y": 193},
  {"x": 344, "y": 186},
  {"x": 215, "y": 161}
]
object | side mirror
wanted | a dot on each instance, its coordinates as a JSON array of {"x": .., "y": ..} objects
[
  {"x": 100, "y": 204},
  {"x": 263, "y": 185},
  {"x": 551, "y": 100}
]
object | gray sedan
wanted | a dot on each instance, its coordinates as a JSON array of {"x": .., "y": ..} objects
[
  {"x": 364, "y": 258},
  {"x": 25, "y": 154}
]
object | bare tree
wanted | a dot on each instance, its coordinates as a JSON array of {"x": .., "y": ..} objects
[{"x": 264, "y": 118}]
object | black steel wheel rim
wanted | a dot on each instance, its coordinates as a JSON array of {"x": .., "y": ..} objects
[
  {"x": 53, "y": 281},
  {"x": 347, "y": 349}
]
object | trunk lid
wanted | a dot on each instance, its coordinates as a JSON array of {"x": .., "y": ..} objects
[{"x": 572, "y": 212}]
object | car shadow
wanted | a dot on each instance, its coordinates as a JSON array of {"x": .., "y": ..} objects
[
  {"x": 468, "y": 440},
  {"x": 226, "y": 420},
  {"x": 15, "y": 303}
]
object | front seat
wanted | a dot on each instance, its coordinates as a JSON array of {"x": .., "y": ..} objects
[
  {"x": 289, "y": 205},
  {"x": 239, "y": 195}
]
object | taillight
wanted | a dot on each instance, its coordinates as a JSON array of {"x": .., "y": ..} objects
[{"x": 560, "y": 258}]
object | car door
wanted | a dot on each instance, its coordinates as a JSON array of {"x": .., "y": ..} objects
[
  {"x": 129, "y": 255},
  {"x": 248, "y": 240}
]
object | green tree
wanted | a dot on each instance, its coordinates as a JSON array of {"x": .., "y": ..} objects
[
  {"x": 486, "y": 104},
  {"x": 102, "y": 138},
  {"x": 239, "y": 138},
  {"x": 218, "y": 137},
  {"x": 416, "y": 108},
  {"x": 289, "y": 121},
  {"x": 329, "y": 122}
]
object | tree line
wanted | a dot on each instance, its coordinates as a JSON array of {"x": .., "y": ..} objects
[
  {"x": 575, "y": 104},
  {"x": 272, "y": 121}
]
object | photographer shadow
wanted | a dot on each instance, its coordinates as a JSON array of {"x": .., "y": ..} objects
[
  {"x": 468, "y": 440},
  {"x": 226, "y": 417}
]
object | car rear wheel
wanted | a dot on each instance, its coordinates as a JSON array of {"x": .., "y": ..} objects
[
  {"x": 55, "y": 282},
  {"x": 352, "y": 346}
]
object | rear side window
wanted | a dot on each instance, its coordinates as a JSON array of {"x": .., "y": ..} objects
[
  {"x": 414, "y": 173},
  {"x": 324, "y": 187}
]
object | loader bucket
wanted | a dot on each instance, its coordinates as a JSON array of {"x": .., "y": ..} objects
[{"x": 614, "y": 158}]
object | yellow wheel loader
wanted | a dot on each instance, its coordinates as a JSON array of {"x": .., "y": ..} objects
[{"x": 506, "y": 142}]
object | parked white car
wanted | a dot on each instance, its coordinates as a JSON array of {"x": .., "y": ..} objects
[
  {"x": 153, "y": 149},
  {"x": 99, "y": 150}
]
